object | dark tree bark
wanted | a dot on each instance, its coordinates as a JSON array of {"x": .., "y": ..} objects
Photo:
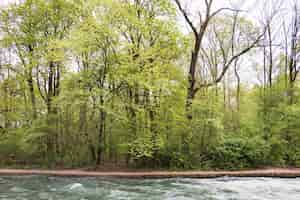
[
  {"x": 293, "y": 64},
  {"x": 293, "y": 68},
  {"x": 30, "y": 82},
  {"x": 32, "y": 95}
]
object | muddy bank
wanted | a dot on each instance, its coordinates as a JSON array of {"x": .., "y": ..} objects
[{"x": 282, "y": 173}]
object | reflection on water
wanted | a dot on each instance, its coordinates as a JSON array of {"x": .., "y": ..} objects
[{"x": 55, "y": 188}]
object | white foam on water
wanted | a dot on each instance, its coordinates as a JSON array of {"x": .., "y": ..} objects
[
  {"x": 75, "y": 187},
  {"x": 18, "y": 189}
]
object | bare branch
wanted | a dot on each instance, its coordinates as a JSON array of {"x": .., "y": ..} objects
[
  {"x": 233, "y": 58},
  {"x": 186, "y": 17},
  {"x": 222, "y": 9},
  {"x": 221, "y": 44},
  {"x": 206, "y": 3}
]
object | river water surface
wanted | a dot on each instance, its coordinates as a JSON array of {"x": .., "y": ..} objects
[{"x": 57, "y": 188}]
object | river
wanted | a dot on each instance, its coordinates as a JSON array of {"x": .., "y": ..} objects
[{"x": 58, "y": 188}]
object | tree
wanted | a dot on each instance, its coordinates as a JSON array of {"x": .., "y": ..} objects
[{"x": 198, "y": 35}]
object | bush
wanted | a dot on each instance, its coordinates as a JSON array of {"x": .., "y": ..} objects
[{"x": 237, "y": 153}]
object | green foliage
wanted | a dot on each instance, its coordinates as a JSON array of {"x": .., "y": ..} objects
[{"x": 238, "y": 153}]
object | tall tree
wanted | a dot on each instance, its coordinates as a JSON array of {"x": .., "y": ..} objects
[{"x": 198, "y": 35}]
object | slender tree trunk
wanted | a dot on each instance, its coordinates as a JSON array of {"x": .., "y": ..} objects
[
  {"x": 101, "y": 136},
  {"x": 30, "y": 82},
  {"x": 238, "y": 87},
  {"x": 270, "y": 55},
  {"x": 286, "y": 56},
  {"x": 32, "y": 95}
]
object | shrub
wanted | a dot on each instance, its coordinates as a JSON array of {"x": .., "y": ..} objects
[{"x": 237, "y": 153}]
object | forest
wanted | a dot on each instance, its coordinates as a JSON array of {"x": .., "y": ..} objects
[{"x": 168, "y": 84}]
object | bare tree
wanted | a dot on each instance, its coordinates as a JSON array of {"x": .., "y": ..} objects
[
  {"x": 294, "y": 56},
  {"x": 198, "y": 34}
]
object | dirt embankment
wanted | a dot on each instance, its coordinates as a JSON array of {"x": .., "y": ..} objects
[{"x": 274, "y": 172}]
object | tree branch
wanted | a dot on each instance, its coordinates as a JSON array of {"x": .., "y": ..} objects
[
  {"x": 186, "y": 17},
  {"x": 233, "y": 58},
  {"x": 222, "y": 9}
]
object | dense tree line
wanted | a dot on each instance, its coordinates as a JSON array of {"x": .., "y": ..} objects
[{"x": 119, "y": 82}]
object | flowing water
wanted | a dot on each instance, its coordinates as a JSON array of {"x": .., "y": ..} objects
[{"x": 57, "y": 188}]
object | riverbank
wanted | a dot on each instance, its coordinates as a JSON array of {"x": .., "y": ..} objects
[{"x": 274, "y": 172}]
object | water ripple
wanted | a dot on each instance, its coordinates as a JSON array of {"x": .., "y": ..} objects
[{"x": 55, "y": 188}]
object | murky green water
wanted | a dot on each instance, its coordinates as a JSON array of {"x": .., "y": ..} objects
[{"x": 54, "y": 188}]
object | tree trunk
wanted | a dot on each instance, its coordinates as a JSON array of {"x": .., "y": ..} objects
[
  {"x": 191, "y": 90},
  {"x": 101, "y": 136},
  {"x": 31, "y": 93},
  {"x": 270, "y": 55}
]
